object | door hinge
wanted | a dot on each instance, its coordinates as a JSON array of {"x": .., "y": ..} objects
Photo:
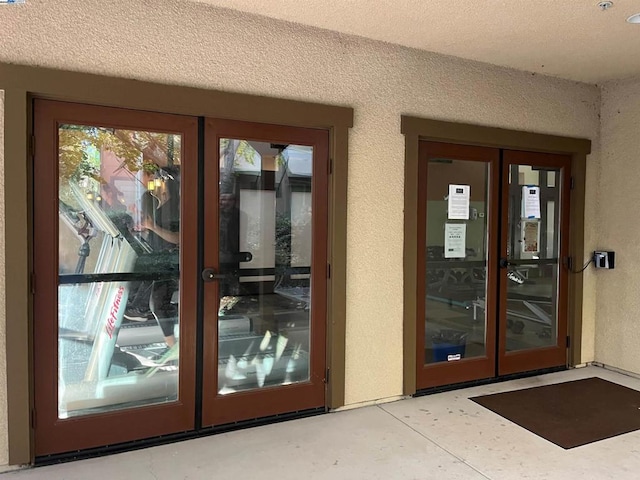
[
  {"x": 33, "y": 418},
  {"x": 32, "y": 282},
  {"x": 327, "y": 374},
  {"x": 568, "y": 341},
  {"x": 570, "y": 263},
  {"x": 32, "y": 146},
  {"x": 572, "y": 183},
  {"x": 330, "y": 166},
  {"x": 328, "y": 270}
]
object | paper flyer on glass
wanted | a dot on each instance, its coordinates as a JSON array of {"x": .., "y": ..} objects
[
  {"x": 455, "y": 240},
  {"x": 458, "y": 202}
]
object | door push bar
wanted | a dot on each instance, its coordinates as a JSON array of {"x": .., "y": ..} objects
[{"x": 210, "y": 274}]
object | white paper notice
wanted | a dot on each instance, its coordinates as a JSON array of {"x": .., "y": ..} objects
[
  {"x": 459, "y": 202},
  {"x": 455, "y": 240},
  {"x": 530, "y": 202}
]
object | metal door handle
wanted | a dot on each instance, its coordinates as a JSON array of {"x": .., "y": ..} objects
[{"x": 210, "y": 275}]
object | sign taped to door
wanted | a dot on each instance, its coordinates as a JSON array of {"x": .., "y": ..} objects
[
  {"x": 530, "y": 201},
  {"x": 458, "y": 202},
  {"x": 455, "y": 238}
]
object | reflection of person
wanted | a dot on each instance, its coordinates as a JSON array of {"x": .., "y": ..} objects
[
  {"x": 112, "y": 198},
  {"x": 161, "y": 219}
]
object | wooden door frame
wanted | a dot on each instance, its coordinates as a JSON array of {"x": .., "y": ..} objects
[
  {"x": 221, "y": 409},
  {"x": 467, "y": 369},
  {"x": 416, "y": 129},
  {"x": 54, "y": 435},
  {"x": 21, "y": 84}
]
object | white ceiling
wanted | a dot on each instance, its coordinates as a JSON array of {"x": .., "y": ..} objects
[{"x": 566, "y": 38}]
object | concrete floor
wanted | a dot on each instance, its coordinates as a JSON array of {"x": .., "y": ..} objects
[{"x": 443, "y": 436}]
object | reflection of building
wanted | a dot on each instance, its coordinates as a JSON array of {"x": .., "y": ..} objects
[
  {"x": 273, "y": 184},
  {"x": 118, "y": 188}
]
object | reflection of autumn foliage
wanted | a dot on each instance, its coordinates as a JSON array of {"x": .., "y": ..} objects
[
  {"x": 137, "y": 150},
  {"x": 232, "y": 152}
]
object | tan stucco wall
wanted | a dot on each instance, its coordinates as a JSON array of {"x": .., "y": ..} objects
[
  {"x": 3, "y": 364},
  {"x": 193, "y": 44},
  {"x": 618, "y": 306}
]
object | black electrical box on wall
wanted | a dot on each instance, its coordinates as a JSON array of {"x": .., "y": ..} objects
[{"x": 604, "y": 259}]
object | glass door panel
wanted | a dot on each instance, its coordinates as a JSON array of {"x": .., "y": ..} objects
[
  {"x": 458, "y": 302},
  {"x": 266, "y": 218},
  {"x": 456, "y": 263},
  {"x": 119, "y": 213},
  {"x": 108, "y": 312},
  {"x": 534, "y": 277},
  {"x": 265, "y": 285},
  {"x": 533, "y": 262}
]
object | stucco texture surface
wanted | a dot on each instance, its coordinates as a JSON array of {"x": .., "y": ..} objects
[
  {"x": 3, "y": 363},
  {"x": 203, "y": 46},
  {"x": 618, "y": 306}
]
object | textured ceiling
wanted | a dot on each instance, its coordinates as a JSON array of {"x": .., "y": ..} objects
[{"x": 573, "y": 39}]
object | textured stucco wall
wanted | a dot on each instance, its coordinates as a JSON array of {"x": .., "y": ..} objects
[
  {"x": 618, "y": 306},
  {"x": 198, "y": 45},
  {"x": 3, "y": 364}
]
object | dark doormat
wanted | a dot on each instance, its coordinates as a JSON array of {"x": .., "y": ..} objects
[{"x": 570, "y": 414}]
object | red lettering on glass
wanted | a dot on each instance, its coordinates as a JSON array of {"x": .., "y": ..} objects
[{"x": 113, "y": 314}]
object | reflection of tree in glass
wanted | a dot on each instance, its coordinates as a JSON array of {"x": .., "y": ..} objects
[
  {"x": 283, "y": 247},
  {"x": 283, "y": 240},
  {"x": 232, "y": 154},
  {"x": 232, "y": 151},
  {"x": 137, "y": 150}
]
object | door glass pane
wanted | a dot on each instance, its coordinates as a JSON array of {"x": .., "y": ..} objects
[
  {"x": 119, "y": 213},
  {"x": 456, "y": 260},
  {"x": 532, "y": 250},
  {"x": 265, "y": 258}
]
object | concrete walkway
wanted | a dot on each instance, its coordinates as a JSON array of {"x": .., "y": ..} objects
[{"x": 443, "y": 436}]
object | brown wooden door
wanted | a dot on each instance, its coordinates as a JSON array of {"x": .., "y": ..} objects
[
  {"x": 109, "y": 368},
  {"x": 492, "y": 282},
  {"x": 534, "y": 251},
  {"x": 265, "y": 289},
  {"x": 117, "y": 250},
  {"x": 457, "y": 232}
]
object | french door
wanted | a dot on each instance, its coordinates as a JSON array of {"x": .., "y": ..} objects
[
  {"x": 265, "y": 206},
  {"x": 179, "y": 273},
  {"x": 492, "y": 282}
]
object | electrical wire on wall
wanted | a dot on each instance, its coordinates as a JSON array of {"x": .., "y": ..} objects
[{"x": 584, "y": 267}]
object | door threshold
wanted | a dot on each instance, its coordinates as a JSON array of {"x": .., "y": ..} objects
[
  {"x": 174, "y": 437},
  {"x": 486, "y": 381}
]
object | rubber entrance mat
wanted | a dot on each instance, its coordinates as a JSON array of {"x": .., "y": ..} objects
[{"x": 570, "y": 414}]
